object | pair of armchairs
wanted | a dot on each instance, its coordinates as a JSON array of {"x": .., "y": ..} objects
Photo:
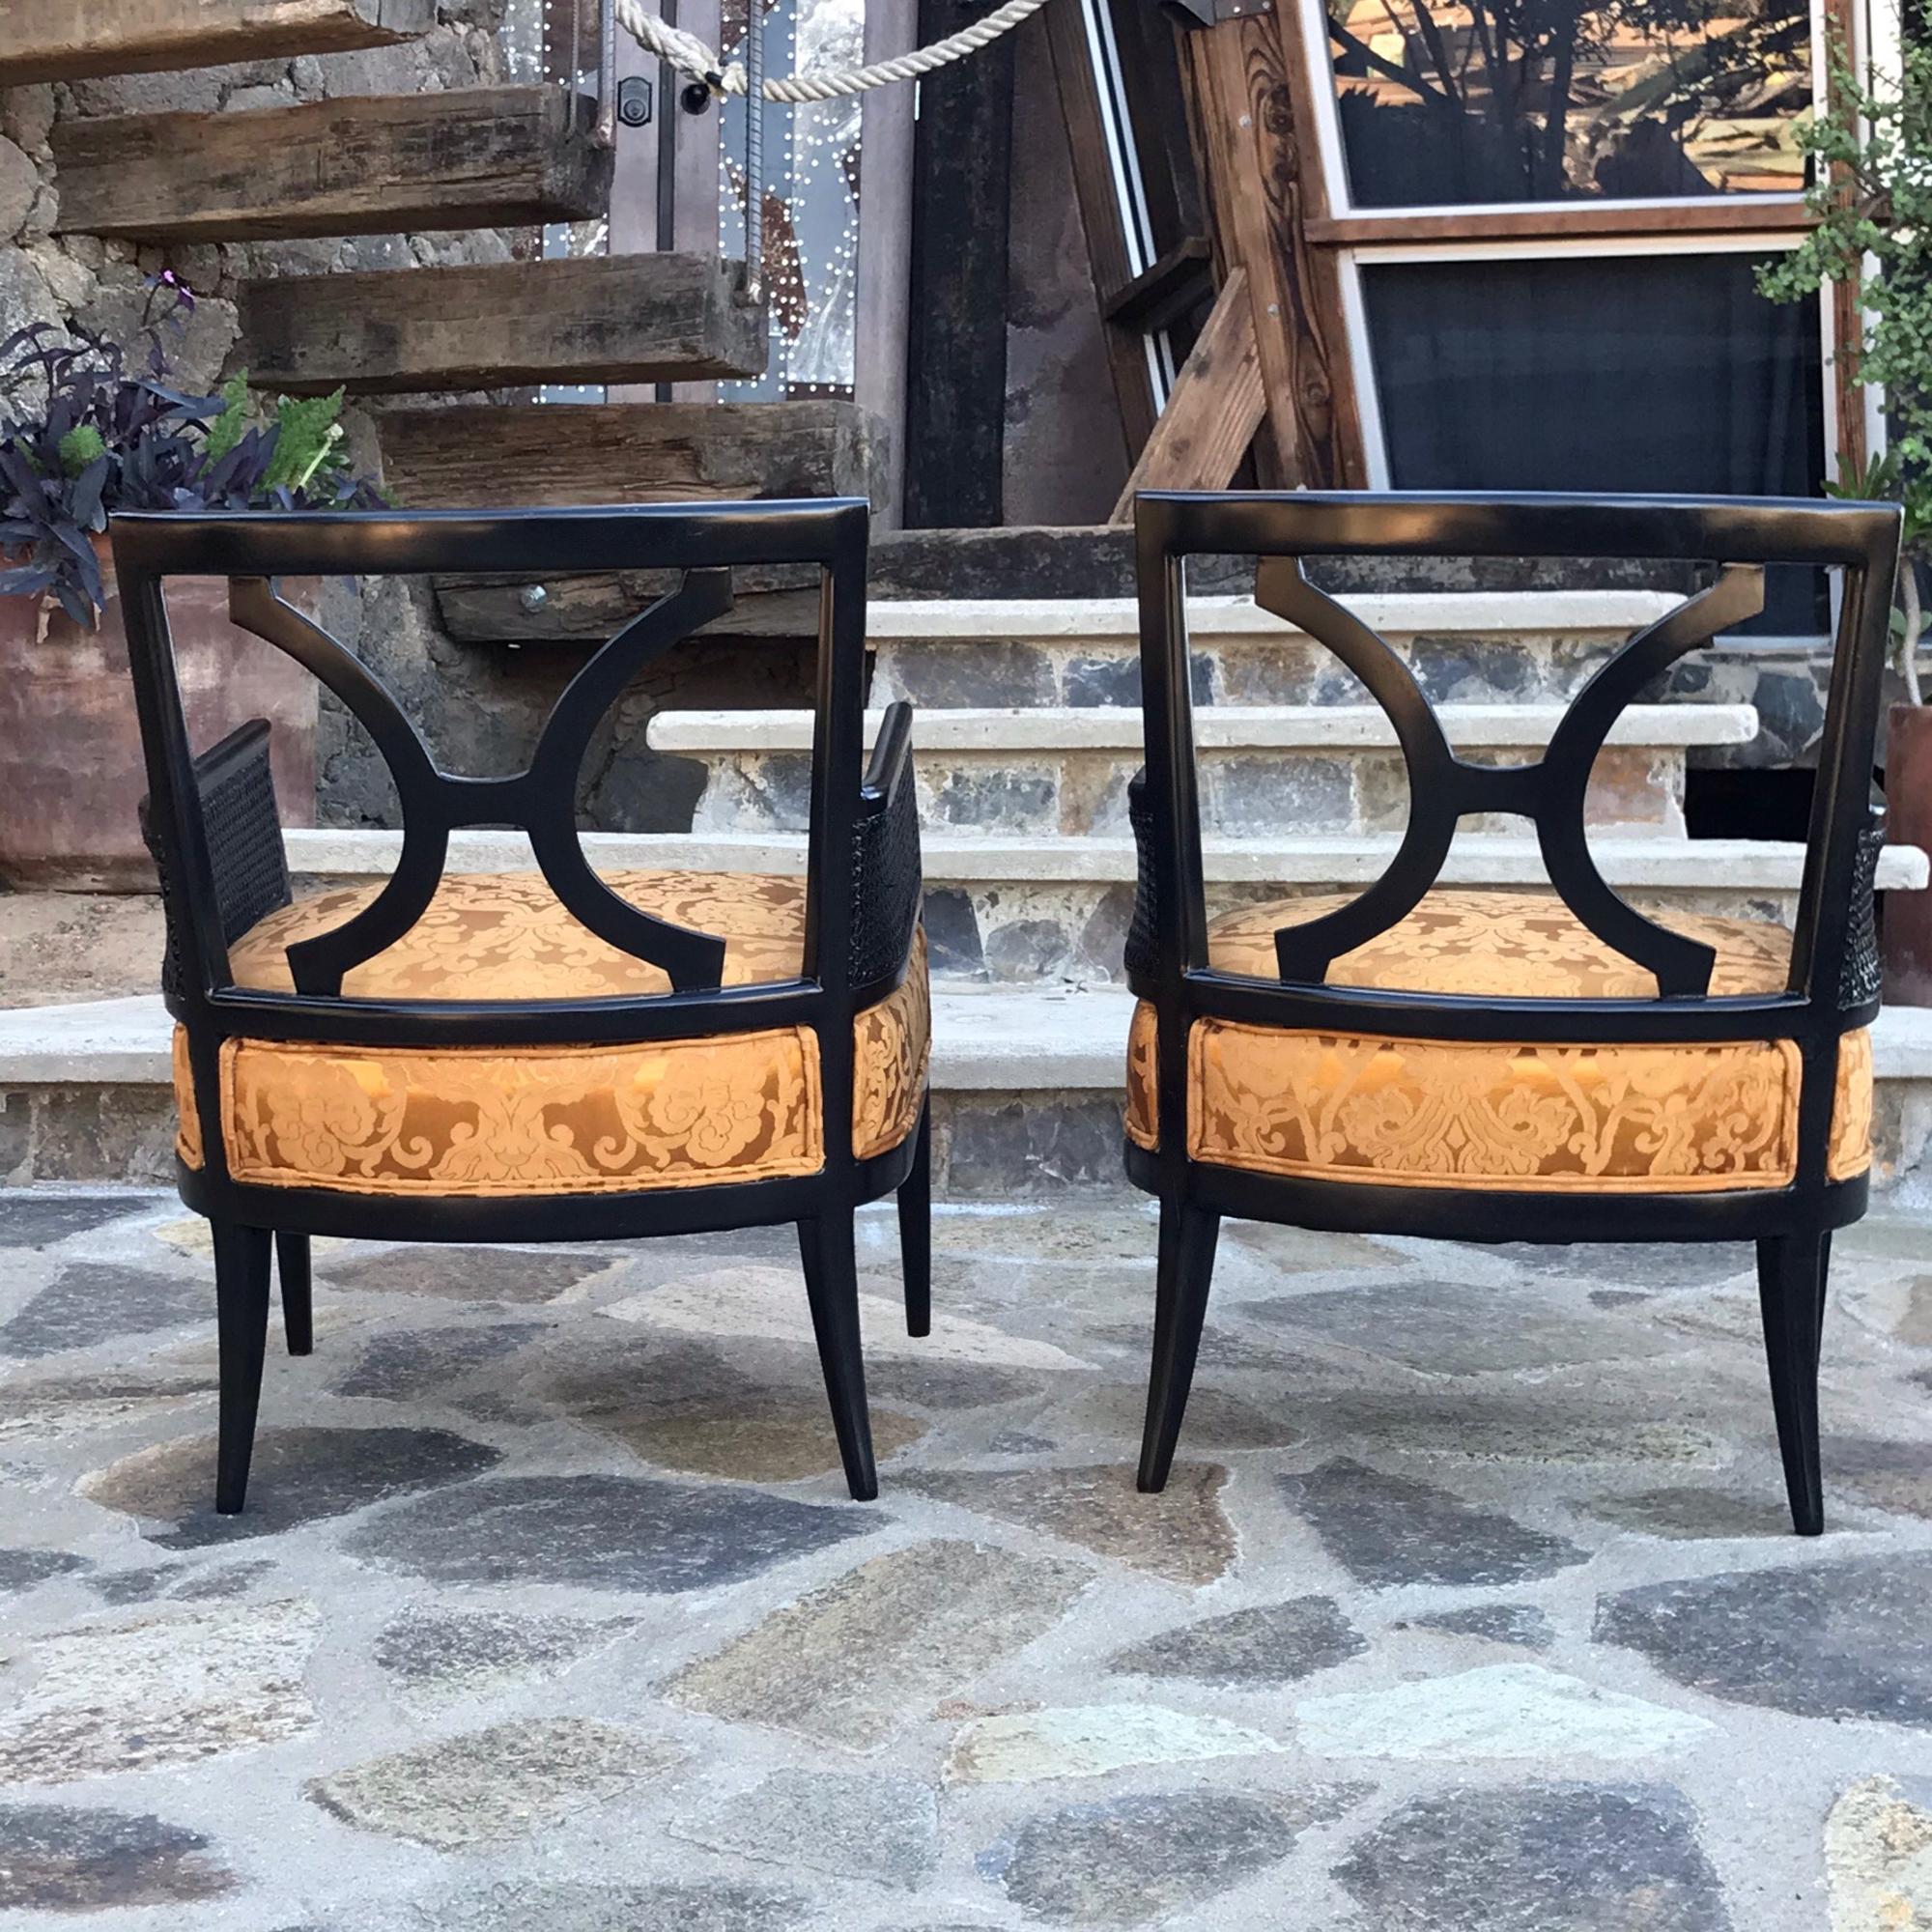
[{"x": 560, "y": 1055}]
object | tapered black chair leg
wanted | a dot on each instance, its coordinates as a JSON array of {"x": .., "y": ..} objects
[
  {"x": 241, "y": 1302},
  {"x": 832, "y": 1284},
  {"x": 291, "y": 1271},
  {"x": 916, "y": 1229},
  {"x": 1791, "y": 1271},
  {"x": 1187, "y": 1237}
]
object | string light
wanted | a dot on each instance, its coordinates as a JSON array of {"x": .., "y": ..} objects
[{"x": 827, "y": 134}]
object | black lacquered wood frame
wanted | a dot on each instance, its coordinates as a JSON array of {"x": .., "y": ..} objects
[
  {"x": 704, "y": 543},
  {"x": 1830, "y": 991}
]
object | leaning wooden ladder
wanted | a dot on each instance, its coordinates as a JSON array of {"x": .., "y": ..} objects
[{"x": 1267, "y": 379}]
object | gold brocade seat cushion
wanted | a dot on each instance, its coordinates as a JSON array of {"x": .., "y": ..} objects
[
  {"x": 543, "y": 1120},
  {"x": 506, "y": 936},
  {"x": 1546, "y": 1116}
]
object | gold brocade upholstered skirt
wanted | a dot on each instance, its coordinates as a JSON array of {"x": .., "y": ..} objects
[
  {"x": 1369, "y": 1108},
  {"x": 551, "y": 1120}
]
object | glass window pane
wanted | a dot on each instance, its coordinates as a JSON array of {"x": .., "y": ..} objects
[
  {"x": 1603, "y": 373},
  {"x": 811, "y": 200},
  {"x": 1458, "y": 102}
]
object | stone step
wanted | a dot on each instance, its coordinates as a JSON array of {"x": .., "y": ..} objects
[
  {"x": 70, "y": 40},
  {"x": 480, "y": 457},
  {"x": 1027, "y": 1090},
  {"x": 650, "y": 318},
  {"x": 1475, "y": 646},
  {"x": 1062, "y": 564},
  {"x": 1046, "y": 908},
  {"x": 1317, "y": 767},
  {"x": 370, "y": 165}
]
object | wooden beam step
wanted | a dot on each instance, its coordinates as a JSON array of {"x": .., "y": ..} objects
[
  {"x": 1042, "y": 561},
  {"x": 545, "y": 455},
  {"x": 657, "y": 318},
  {"x": 376, "y": 164},
  {"x": 67, "y": 40}
]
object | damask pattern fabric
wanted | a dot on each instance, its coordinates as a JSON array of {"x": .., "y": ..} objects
[
  {"x": 1506, "y": 944},
  {"x": 1535, "y": 1118},
  {"x": 187, "y": 1133},
  {"x": 1851, "y": 1150},
  {"x": 487, "y": 1121},
  {"x": 506, "y": 936},
  {"x": 1532, "y": 1117},
  {"x": 1144, "y": 1076},
  {"x": 605, "y": 1119},
  {"x": 1546, "y": 1118},
  {"x": 892, "y": 1050}
]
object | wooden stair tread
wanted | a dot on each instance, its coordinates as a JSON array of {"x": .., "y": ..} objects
[
  {"x": 472, "y": 158},
  {"x": 69, "y": 40},
  {"x": 483, "y": 456},
  {"x": 649, "y": 318}
]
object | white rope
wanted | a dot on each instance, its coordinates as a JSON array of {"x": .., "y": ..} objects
[{"x": 690, "y": 55}]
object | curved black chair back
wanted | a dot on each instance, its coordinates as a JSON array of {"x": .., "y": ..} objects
[
  {"x": 1271, "y": 1164},
  {"x": 1832, "y": 985},
  {"x": 862, "y": 885}
]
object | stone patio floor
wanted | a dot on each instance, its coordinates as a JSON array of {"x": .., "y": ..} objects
[{"x": 1472, "y": 1605}]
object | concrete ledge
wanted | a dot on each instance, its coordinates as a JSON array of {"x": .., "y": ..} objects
[
  {"x": 1336, "y": 859},
  {"x": 1490, "y": 613},
  {"x": 943, "y": 731},
  {"x": 1026, "y": 1086},
  {"x": 1027, "y": 1090},
  {"x": 984, "y": 1039}
]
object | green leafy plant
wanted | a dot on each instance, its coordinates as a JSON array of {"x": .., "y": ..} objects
[
  {"x": 82, "y": 435},
  {"x": 308, "y": 433},
  {"x": 1872, "y": 197}
]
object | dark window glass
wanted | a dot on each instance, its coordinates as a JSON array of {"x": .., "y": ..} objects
[
  {"x": 1609, "y": 373},
  {"x": 1454, "y": 101}
]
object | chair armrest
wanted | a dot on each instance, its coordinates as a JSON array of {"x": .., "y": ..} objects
[{"x": 891, "y": 755}]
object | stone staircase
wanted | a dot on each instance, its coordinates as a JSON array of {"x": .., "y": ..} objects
[
  {"x": 1025, "y": 707},
  {"x": 1028, "y": 730}
]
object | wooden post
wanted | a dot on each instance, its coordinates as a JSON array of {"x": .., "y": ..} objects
[
  {"x": 883, "y": 307},
  {"x": 1251, "y": 98},
  {"x": 957, "y": 344}
]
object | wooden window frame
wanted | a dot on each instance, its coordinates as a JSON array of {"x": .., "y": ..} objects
[{"x": 1272, "y": 113}]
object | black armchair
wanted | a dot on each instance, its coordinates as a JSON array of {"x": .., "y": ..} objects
[
  {"x": 539, "y": 1056},
  {"x": 1495, "y": 1065}
]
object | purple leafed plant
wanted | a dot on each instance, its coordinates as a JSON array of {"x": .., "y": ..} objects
[{"x": 82, "y": 435}]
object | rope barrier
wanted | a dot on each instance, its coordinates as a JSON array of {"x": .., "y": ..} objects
[{"x": 687, "y": 53}]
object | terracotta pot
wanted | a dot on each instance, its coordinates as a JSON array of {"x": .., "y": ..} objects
[
  {"x": 1908, "y": 808},
  {"x": 71, "y": 775}
]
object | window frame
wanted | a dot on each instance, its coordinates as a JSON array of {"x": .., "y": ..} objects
[{"x": 1345, "y": 221}]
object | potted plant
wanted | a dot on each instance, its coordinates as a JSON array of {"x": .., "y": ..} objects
[
  {"x": 1872, "y": 197},
  {"x": 84, "y": 433}
]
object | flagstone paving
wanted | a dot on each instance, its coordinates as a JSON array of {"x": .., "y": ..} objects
[{"x": 1472, "y": 1603}]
